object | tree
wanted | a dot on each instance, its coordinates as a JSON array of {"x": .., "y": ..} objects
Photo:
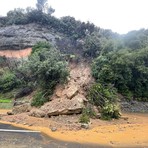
[
  {"x": 92, "y": 46},
  {"x": 42, "y": 5},
  {"x": 136, "y": 39},
  {"x": 8, "y": 81},
  {"x": 16, "y": 16},
  {"x": 126, "y": 70},
  {"x": 50, "y": 10}
]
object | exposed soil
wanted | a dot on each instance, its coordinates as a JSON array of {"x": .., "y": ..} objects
[
  {"x": 16, "y": 53},
  {"x": 130, "y": 131}
]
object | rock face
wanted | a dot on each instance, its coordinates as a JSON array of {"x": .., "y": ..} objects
[
  {"x": 22, "y": 36},
  {"x": 18, "y": 37},
  {"x": 134, "y": 106},
  {"x": 69, "y": 99}
]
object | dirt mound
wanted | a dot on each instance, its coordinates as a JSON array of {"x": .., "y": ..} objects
[{"x": 71, "y": 97}]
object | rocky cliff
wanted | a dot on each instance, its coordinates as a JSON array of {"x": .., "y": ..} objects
[
  {"x": 22, "y": 36},
  {"x": 18, "y": 37}
]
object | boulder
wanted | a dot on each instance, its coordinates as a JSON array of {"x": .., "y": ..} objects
[
  {"x": 80, "y": 97},
  {"x": 85, "y": 126},
  {"x": 21, "y": 108},
  {"x": 64, "y": 106},
  {"x": 9, "y": 113},
  {"x": 37, "y": 113},
  {"x": 53, "y": 129},
  {"x": 58, "y": 91},
  {"x": 71, "y": 91}
]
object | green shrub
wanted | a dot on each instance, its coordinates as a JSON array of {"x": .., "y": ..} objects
[
  {"x": 84, "y": 118},
  {"x": 110, "y": 111},
  {"x": 38, "y": 99},
  {"x": 99, "y": 94},
  {"x": 8, "y": 81},
  {"x": 92, "y": 46},
  {"x": 45, "y": 68},
  {"x": 2, "y": 61},
  {"x": 16, "y": 16},
  {"x": 128, "y": 95},
  {"x": 106, "y": 98},
  {"x": 87, "y": 113},
  {"x": 40, "y": 46}
]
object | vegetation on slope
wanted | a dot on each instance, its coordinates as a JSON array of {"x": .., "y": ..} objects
[
  {"x": 118, "y": 61},
  {"x": 43, "y": 70},
  {"x": 126, "y": 70}
]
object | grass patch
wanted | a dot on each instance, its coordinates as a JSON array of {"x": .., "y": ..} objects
[
  {"x": 6, "y": 105},
  {"x": 84, "y": 118},
  {"x": 5, "y": 101}
]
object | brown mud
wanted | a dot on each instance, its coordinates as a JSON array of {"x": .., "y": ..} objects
[{"x": 129, "y": 131}]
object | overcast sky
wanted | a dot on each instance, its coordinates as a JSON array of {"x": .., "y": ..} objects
[{"x": 118, "y": 15}]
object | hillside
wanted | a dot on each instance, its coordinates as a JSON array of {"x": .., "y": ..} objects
[
  {"x": 72, "y": 80},
  {"x": 72, "y": 67}
]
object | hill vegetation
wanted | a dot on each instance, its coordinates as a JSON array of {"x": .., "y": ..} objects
[{"x": 119, "y": 62}]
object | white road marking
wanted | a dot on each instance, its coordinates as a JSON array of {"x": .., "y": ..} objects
[{"x": 18, "y": 131}]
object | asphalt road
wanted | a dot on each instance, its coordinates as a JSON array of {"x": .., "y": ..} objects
[{"x": 33, "y": 140}]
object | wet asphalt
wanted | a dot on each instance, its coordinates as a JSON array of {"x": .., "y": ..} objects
[{"x": 34, "y": 140}]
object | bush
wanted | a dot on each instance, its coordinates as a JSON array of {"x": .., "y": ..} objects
[
  {"x": 3, "y": 62},
  {"x": 106, "y": 98},
  {"x": 45, "y": 68},
  {"x": 36, "y": 16},
  {"x": 8, "y": 81},
  {"x": 100, "y": 94},
  {"x": 40, "y": 46},
  {"x": 17, "y": 16},
  {"x": 110, "y": 111},
  {"x": 92, "y": 46},
  {"x": 38, "y": 99},
  {"x": 87, "y": 113},
  {"x": 84, "y": 118}
]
